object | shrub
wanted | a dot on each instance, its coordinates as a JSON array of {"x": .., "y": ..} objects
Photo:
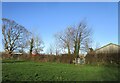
[
  {"x": 54, "y": 58},
  {"x": 102, "y": 58}
]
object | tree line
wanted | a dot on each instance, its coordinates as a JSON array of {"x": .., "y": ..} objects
[{"x": 16, "y": 38}]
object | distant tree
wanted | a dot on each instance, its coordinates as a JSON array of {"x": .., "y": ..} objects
[
  {"x": 37, "y": 44},
  {"x": 57, "y": 49},
  {"x": 14, "y": 35},
  {"x": 53, "y": 48},
  {"x": 50, "y": 49},
  {"x": 86, "y": 45},
  {"x": 97, "y": 45}
]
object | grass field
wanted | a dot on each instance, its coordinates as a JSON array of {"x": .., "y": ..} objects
[{"x": 37, "y": 71}]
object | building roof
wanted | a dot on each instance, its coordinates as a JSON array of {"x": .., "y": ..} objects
[
  {"x": 17, "y": 53},
  {"x": 107, "y": 45}
]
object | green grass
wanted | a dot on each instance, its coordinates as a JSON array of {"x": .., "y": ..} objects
[{"x": 38, "y": 71}]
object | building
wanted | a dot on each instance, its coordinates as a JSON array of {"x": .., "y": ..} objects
[
  {"x": 16, "y": 55},
  {"x": 109, "y": 48}
]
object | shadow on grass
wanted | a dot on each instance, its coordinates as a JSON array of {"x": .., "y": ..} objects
[{"x": 12, "y": 61}]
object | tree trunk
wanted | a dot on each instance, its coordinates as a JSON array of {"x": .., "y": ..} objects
[
  {"x": 69, "y": 50},
  {"x": 78, "y": 43},
  {"x": 78, "y": 49},
  {"x": 31, "y": 46},
  {"x": 75, "y": 47}
]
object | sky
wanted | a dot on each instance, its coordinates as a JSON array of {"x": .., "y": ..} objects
[{"x": 47, "y": 18}]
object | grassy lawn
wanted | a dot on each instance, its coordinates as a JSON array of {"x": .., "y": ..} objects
[{"x": 38, "y": 71}]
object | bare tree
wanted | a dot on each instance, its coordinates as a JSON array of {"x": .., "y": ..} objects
[
  {"x": 14, "y": 35},
  {"x": 53, "y": 48},
  {"x": 83, "y": 34},
  {"x": 38, "y": 44},
  {"x": 65, "y": 39},
  {"x": 74, "y": 38},
  {"x": 50, "y": 49},
  {"x": 97, "y": 45},
  {"x": 57, "y": 49}
]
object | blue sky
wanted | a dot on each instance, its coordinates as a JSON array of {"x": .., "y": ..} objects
[{"x": 46, "y": 19}]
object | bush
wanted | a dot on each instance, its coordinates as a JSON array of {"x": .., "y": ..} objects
[
  {"x": 103, "y": 58},
  {"x": 53, "y": 58},
  {"x": 90, "y": 58},
  {"x": 108, "y": 58}
]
